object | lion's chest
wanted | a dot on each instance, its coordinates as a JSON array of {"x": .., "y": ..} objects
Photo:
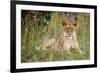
[{"x": 69, "y": 42}]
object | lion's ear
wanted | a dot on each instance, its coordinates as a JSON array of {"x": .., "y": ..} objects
[
  {"x": 63, "y": 23},
  {"x": 75, "y": 23}
]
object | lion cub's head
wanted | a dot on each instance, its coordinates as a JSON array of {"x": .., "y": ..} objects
[{"x": 69, "y": 26}]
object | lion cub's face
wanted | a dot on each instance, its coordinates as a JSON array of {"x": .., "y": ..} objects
[{"x": 69, "y": 27}]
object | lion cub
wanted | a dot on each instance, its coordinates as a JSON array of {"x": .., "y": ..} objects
[
  {"x": 69, "y": 35},
  {"x": 66, "y": 41}
]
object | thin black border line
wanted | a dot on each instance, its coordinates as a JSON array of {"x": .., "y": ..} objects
[
  {"x": 55, "y": 68},
  {"x": 54, "y": 4},
  {"x": 13, "y": 36},
  {"x": 95, "y": 36}
]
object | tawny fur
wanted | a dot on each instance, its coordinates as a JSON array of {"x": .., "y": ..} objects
[{"x": 66, "y": 41}]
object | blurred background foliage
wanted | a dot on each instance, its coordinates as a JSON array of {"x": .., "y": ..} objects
[{"x": 38, "y": 25}]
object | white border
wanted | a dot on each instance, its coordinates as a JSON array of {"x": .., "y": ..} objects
[{"x": 20, "y": 65}]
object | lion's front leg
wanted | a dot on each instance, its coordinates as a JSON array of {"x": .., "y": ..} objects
[{"x": 75, "y": 45}]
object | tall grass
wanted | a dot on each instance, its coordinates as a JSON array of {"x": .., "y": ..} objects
[{"x": 35, "y": 30}]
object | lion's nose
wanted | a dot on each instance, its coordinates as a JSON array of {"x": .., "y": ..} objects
[{"x": 69, "y": 33}]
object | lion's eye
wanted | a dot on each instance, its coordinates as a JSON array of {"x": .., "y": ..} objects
[{"x": 66, "y": 27}]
